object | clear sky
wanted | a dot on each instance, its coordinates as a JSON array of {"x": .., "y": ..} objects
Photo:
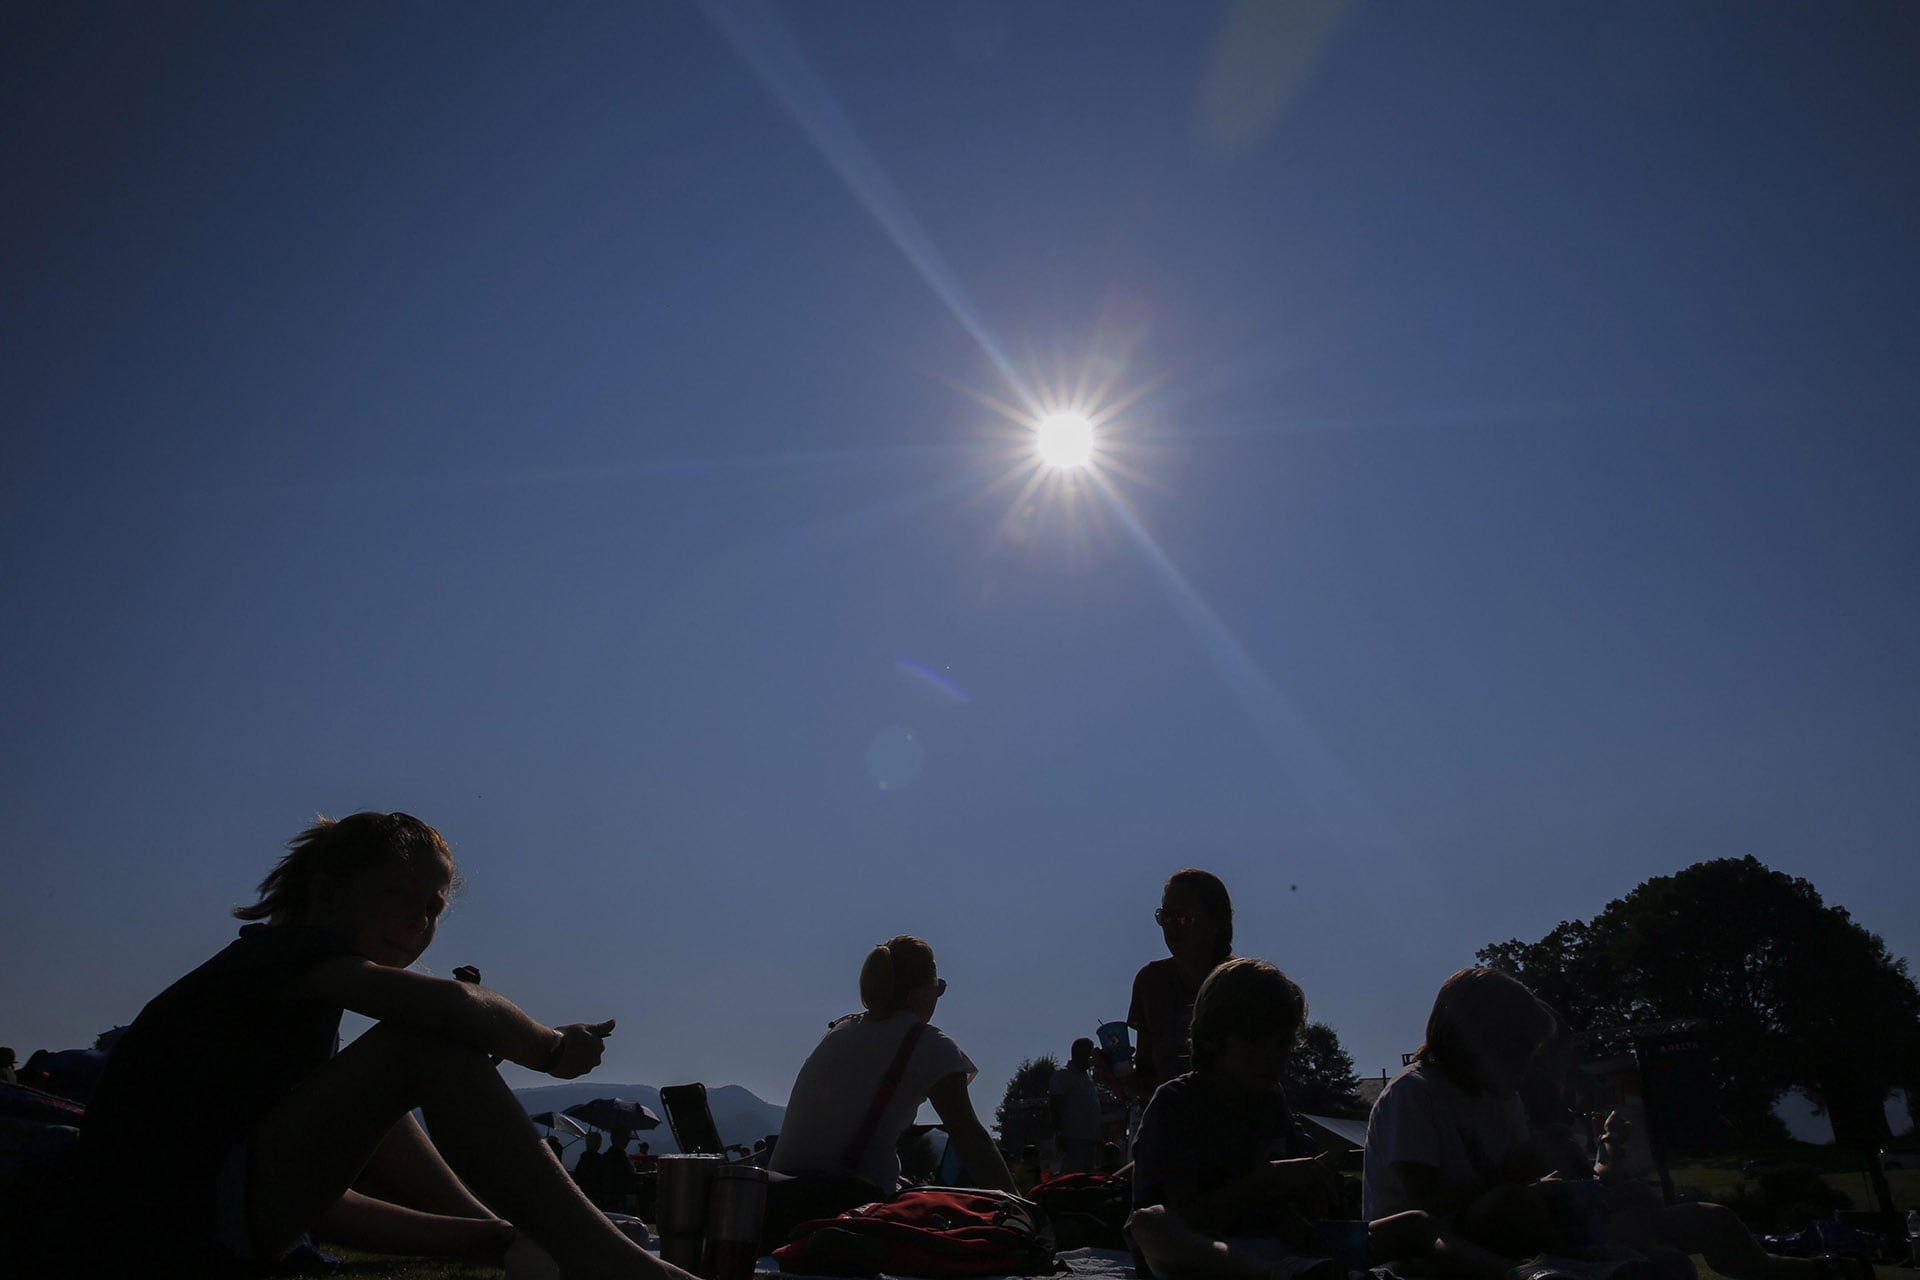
[{"x": 605, "y": 433}]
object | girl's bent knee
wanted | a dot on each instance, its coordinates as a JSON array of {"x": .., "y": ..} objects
[{"x": 1149, "y": 1223}]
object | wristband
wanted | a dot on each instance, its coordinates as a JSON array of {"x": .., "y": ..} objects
[{"x": 553, "y": 1059}]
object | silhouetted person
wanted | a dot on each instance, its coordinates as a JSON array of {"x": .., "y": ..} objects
[
  {"x": 618, "y": 1182},
  {"x": 832, "y": 1126},
  {"x": 227, "y": 1126},
  {"x": 1196, "y": 921},
  {"x": 586, "y": 1167},
  {"x": 1075, "y": 1104}
]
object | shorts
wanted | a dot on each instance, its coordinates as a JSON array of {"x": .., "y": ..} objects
[
  {"x": 230, "y": 1231},
  {"x": 239, "y": 1256}
]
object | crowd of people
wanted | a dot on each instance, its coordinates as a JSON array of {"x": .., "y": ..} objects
[{"x": 229, "y": 1122}]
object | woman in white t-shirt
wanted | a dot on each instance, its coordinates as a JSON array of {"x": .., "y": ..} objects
[{"x": 864, "y": 1082}]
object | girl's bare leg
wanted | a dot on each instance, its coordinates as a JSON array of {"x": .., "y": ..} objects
[
  {"x": 384, "y": 1227},
  {"x": 317, "y": 1142},
  {"x": 407, "y": 1169}
]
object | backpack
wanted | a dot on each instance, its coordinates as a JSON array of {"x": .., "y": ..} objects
[
  {"x": 926, "y": 1231},
  {"x": 1086, "y": 1208}
]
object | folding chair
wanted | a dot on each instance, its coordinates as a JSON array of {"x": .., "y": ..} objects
[{"x": 691, "y": 1119}]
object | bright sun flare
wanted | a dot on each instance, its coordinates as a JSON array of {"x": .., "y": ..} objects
[{"x": 1065, "y": 440}]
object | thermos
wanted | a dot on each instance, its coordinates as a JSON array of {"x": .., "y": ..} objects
[
  {"x": 736, "y": 1213},
  {"x": 683, "y": 1192}
]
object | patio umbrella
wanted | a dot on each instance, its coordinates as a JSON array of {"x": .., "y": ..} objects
[
  {"x": 614, "y": 1113},
  {"x": 559, "y": 1121}
]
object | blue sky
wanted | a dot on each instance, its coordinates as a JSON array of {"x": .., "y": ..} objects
[{"x": 588, "y": 431}]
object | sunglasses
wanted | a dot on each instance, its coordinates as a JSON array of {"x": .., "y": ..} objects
[
  {"x": 939, "y": 987},
  {"x": 1184, "y": 919}
]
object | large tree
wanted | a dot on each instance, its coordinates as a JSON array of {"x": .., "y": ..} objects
[
  {"x": 1794, "y": 991},
  {"x": 1319, "y": 1080}
]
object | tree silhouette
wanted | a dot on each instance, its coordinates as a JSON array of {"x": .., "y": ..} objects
[
  {"x": 1022, "y": 1115},
  {"x": 1794, "y": 992},
  {"x": 1319, "y": 1079}
]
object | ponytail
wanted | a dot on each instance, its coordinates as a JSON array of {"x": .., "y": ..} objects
[
  {"x": 892, "y": 969},
  {"x": 876, "y": 981}
]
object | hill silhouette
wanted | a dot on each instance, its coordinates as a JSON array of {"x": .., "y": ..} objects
[{"x": 738, "y": 1114}]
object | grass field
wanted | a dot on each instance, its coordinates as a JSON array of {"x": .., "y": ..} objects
[
  {"x": 354, "y": 1263},
  {"x": 1720, "y": 1177}
]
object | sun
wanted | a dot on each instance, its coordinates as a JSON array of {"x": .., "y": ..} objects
[{"x": 1064, "y": 440}]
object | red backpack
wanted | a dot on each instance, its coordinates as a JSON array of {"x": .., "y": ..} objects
[{"x": 926, "y": 1231}]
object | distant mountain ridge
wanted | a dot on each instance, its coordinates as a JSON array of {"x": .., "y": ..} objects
[{"x": 738, "y": 1114}]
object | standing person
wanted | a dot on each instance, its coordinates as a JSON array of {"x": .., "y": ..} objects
[
  {"x": 1196, "y": 920},
  {"x": 864, "y": 1082},
  {"x": 228, "y": 1127},
  {"x": 586, "y": 1169},
  {"x": 619, "y": 1184},
  {"x": 1075, "y": 1104}
]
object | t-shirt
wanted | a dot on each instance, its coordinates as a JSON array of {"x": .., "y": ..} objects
[
  {"x": 1192, "y": 1137},
  {"x": 1080, "y": 1109},
  {"x": 836, "y": 1087},
  {"x": 1422, "y": 1117},
  {"x": 205, "y": 1062},
  {"x": 1163, "y": 1008}
]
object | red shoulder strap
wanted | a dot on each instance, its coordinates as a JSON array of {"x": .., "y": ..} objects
[{"x": 882, "y": 1096}]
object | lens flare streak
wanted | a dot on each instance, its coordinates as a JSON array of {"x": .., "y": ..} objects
[
  {"x": 758, "y": 36},
  {"x": 1330, "y": 793}
]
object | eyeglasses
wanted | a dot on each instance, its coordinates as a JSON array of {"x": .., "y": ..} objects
[
  {"x": 1184, "y": 919},
  {"x": 939, "y": 987}
]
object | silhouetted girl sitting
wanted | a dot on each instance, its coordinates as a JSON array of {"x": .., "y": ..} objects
[
  {"x": 1449, "y": 1135},
  {"x": 864, "y": 1082},
  {"x": 226, "y": 1126}
]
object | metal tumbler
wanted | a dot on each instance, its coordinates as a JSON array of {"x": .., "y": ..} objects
[
  {"x": 736, "y": 1213},
  {"x": 682, "y": 1206}
]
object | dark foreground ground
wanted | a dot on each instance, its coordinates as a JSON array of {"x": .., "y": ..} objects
[{"x": 1717, "y": 1178}]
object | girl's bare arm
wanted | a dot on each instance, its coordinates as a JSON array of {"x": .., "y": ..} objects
[
  {"x": 969, "y": 1137},
  {"x": 1309, "y": 1183},
  {"x": 459, "y": 1011}
]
